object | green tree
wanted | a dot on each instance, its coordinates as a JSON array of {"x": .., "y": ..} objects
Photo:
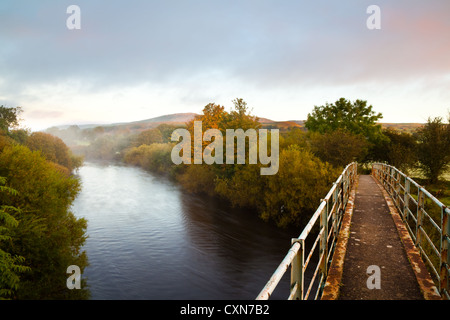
[
  {"x": 11, "y": 266},
  {"x": 339, "y": 147},
  {"x": 356, "y": 117},
  {"x": 399, "y": 150},
  {"x": 433, "y": 149},
  {"x": 48, "y": 235}
]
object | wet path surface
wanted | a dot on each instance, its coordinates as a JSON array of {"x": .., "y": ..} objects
[{"x": 375, "y": 266}]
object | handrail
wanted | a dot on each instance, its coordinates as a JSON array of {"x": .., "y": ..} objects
[
  {"x": 419, "y": 209},
  {"x": 328, "y": 218}
]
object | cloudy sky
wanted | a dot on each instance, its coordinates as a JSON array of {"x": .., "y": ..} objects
[{"x": 133, "y": 60}]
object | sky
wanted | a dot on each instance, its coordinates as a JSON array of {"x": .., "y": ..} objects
[{"x": 135, "y": 60}]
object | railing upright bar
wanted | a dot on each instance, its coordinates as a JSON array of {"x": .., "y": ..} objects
[
  {"x": 297, "y": 280},
  {"x": 420, "y": 204},
  {"x": 323, "y": 238},
  {"x": 331, "y": 209},
  {"x": 390, "y": 177},
  {"x": 445, "y": 253},
  {"x": 406, "y": 200}
]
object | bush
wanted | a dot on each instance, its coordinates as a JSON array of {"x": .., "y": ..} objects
[
  {"x": 155, "y": 157},
  {"x": 293, "y": 194}
]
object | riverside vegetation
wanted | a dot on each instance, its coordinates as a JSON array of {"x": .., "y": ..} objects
[
  {"x": 311, "y": 156},
  {"x": 40, "y": 237}
]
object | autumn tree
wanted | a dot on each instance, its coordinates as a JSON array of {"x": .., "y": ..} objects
[
  {"x": 433, "y": 148},
  {"x": 216, "y": 117},
  {"x": 293, "y": 194},
  {"x": 53, "y": 149},
  {"x": 294, "y": 136},
  {"x": 148, "y": 137},
  {"x": 155, "y": 157}
]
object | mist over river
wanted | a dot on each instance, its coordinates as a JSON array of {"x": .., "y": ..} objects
[{"x": 149, "y": 239}]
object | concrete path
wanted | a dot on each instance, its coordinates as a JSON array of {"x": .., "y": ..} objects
[{"x": 374, "y": 245}]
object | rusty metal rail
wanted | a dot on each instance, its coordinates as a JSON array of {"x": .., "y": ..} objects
[
  {"x": 327, "y": 221},
  {"x": 419, "y": 211}
]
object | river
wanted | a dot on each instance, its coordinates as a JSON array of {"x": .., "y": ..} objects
[{"x": 149, "y": 239}]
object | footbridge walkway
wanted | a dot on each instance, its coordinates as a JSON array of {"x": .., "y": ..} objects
[{"x": 378, "y": 236}]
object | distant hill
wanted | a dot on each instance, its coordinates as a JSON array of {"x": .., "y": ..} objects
[
  {"x": 182, "y": 118},
  {"x": 174, "y": 119},
  {"x": 406, "y": 127},
  {"x": 169, "y": 118}
]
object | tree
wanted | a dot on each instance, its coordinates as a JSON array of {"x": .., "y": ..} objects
[
  {"x": 433, "y": 149},
  {"x": 399, "y": 150},
  {"x": 53, "y": 148},
  {"x": 148, "y": 137},
  {"x": 339, "y": 147},
  {"x": 48, "y": 235},
  {"x": 11, "y": 266},
  {"x": 293, "y": 194},
  {"x": 244, "y": 188},
  {"x": 241, "y": 118},
  {"x": 166, "y": 131},
  {"x": 215, "y": 117},
  {"x": 355, "y": 117},
  {"x": 155, "y": 157},
  {"x": 9, "y": 118},
  {"x": 296, "y": 136}
]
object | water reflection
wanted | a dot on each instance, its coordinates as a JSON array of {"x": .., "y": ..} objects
[{"x": 150, "y": 240}]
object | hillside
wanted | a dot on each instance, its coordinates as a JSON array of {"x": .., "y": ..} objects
[
  {"x": 74, "y": 135},
  {"x": 406, "y": 127}
]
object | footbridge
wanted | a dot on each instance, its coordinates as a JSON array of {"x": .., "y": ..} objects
[{"x": 373, "y": 237}]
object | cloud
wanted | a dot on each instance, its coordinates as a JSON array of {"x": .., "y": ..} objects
[
  {"x": 45, "y": 114},
  {"x": 186, "y": 51}
]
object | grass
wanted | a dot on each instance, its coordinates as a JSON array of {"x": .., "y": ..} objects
[{"x": 440, "y": 189}]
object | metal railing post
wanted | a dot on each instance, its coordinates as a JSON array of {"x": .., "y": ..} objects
[
  {"x": 297, "y": 274},
  {"x": 336, "y": 210},
  {"x": 434, "y": 250},
  {"x": 295, "y": 258},
  {"x": 323, "y": 239},
  {"x": 445, "y": 253},
  {"x": 406, "y": 199},
  {"x": 397, "y": 189},
  {"x": 420, "y": 204}
]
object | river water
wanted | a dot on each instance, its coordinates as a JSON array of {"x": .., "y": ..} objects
[{"x": 148, "y": 239}]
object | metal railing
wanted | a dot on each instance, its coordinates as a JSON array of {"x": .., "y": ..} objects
[
  {"x": 419, "y": 211},
  {"x": 327, "y": 219}
]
